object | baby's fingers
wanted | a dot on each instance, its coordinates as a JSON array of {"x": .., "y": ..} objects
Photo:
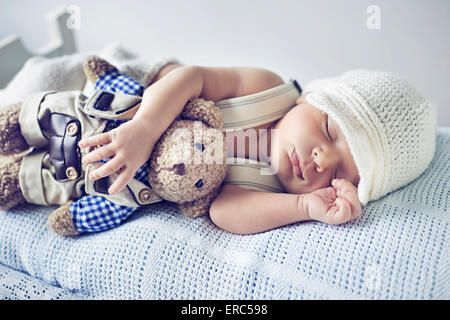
[
  {"x": 344, "y": 185},
  {"x": 354, "y": 203},
  {"x": 344, "y": 212},
  {"x": 96, "y": 140},
  {"x": 106, "y": 169},
  {"x": 347, "y": 191},
  {"x": 122, "y": 180},
  {"x": 98, "y": 154}
]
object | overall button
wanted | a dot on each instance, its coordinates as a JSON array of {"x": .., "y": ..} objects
[
  {"x": 72, "y": 129},
  {"x": 71, "y": 173},
  {"x": 145, "y": 195}
]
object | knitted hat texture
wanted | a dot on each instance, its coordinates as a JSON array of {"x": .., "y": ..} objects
[{"x": 390, "y": 128}]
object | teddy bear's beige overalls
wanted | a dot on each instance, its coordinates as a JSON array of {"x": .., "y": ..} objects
[{"x": 54, "y": 122}]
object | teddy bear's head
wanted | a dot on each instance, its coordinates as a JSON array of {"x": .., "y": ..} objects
[{"x": 188, "y": 163}]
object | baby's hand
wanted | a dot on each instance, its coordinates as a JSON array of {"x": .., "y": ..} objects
[
  {"x": 333, "y": 205},
  {"x": 130, "y": 146}
]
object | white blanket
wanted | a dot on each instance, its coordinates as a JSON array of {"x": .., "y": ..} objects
[{"x": 397, "y": 249}]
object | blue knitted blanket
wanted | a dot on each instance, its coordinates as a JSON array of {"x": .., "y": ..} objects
[{"x": 398, "y": 249}]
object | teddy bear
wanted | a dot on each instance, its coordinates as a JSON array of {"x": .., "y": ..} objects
[{"x": 187, "y": 165}]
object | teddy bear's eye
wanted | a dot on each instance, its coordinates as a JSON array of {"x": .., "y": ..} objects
[
  {"x": 200, "y": 146},
  {"x": 199, "y": 183}
]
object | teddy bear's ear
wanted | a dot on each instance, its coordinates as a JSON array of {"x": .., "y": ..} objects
[
  {"x": 199, "y": 207},
  {"x": 206, "y": 111},
  {"x": 94, "y": 67}
]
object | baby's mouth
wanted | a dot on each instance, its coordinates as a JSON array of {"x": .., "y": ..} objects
[{"x": 296, "y": 164}]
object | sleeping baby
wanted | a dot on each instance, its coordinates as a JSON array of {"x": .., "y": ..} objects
[{"x": 348, "y": 140}]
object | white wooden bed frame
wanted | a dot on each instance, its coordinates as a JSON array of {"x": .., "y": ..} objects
[{"x": 13, "y": 53}]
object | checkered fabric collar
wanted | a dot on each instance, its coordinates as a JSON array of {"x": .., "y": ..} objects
[{"x": 114, "y": 81}]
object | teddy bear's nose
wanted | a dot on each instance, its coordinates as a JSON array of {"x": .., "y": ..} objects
[{"x": 179, "y": 169}]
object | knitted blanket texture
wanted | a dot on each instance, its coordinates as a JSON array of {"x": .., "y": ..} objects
[{"x": 397, "y": 249}]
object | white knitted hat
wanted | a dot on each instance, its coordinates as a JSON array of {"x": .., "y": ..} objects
[{"x": 389, "y": 127}]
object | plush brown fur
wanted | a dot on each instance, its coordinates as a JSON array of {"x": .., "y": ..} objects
[
  {"x": 200, "y": 206},
  {"x": 60, "y": 221},
  {"x": 95, "y": 67},
  {"x": 200, "y": 109},
  {"x": 10, "y": 194},
  {"x": 11, "y": 140}
]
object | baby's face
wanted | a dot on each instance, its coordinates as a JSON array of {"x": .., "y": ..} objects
[{"x": 311, "y": 150}]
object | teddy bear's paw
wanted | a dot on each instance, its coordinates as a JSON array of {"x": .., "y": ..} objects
[
  {"x": 60, "y": 221},
  {"x": 11, "y": 139},
  {"x": 10, "y": 193},
  {"x": 95, "y": 67}
]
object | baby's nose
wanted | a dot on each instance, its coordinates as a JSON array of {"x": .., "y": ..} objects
[{"x": 323, "y": 159}]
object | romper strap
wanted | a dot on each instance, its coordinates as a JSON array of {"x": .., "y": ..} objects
[
  {"x": 251, "y": 174},
  {"x": 259, "y": 108}
]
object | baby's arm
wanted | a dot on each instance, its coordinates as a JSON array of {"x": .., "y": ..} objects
[
  {"x": 131, "y": 144},
  {"x": 244, "y": 211}
]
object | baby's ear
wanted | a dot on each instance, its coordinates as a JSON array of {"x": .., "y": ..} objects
[{"x": 94, "y": 67}]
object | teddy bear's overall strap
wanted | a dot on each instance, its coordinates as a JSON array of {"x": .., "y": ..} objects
[
  {"x": 112, "y": 106},
  {"x": 135, "y": 194}
]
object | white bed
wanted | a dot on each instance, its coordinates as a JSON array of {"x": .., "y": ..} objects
[{"x": 398, "y": 249}]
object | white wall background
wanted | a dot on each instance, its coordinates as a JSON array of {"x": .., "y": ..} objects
[{"x": 295, "y": 38}]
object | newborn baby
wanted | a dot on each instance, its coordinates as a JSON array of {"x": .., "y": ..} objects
[{"x": 349, "y": 140}]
